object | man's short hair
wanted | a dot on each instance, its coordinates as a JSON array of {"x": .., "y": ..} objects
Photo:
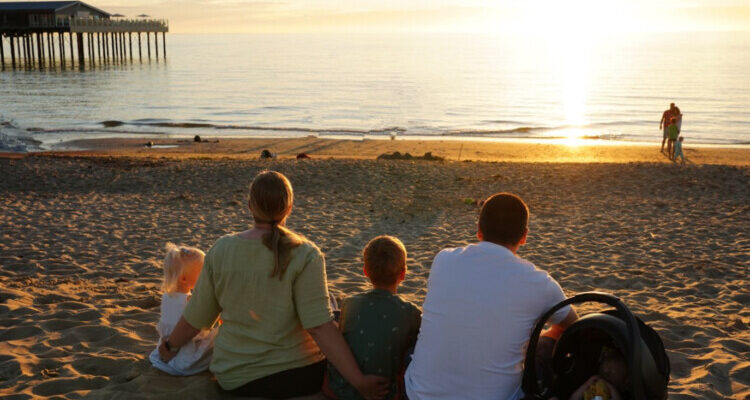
[
  {"x": 671, "y": 105},
  {"x": 385, "y": 259},
  {"x": 504, "y": 219}
]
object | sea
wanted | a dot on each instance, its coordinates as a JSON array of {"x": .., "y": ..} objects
[{"x": 460, "y": 86}]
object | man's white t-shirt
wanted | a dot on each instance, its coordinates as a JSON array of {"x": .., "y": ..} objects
[{"x": 482, "y": 304}]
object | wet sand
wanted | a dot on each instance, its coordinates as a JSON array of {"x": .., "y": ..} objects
[{"x": 82, "y": 235}]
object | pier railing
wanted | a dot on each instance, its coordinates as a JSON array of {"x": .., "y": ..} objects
[
  {"x": 118, "y": 25},
  {"x": 49, "y": 22}
]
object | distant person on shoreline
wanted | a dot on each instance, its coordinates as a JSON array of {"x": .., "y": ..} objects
[
  {"x": 666, "y": 120},
  {"x": 678, "y": 150},
  {"x": 482, "y": 303},
  {"x": 673, "y": 131}
]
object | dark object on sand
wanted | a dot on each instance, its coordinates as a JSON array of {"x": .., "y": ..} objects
[
  {"x": 406, "y": 156},
  {"x": 197, "y": 138},
  {"x": 149, "y": 144},
  {"x": 302, "y": 156},
  {"x": 267, "y": 154},
  {"x": 577, "y": 353}
]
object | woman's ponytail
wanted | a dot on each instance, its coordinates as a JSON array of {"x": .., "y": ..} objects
[{"x": 271, "y": 199}]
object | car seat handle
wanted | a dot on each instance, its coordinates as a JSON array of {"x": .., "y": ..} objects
[{"x": 530, "y": 385}]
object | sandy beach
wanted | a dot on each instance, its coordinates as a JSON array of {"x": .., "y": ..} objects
[{"x": 82, "y": 236}]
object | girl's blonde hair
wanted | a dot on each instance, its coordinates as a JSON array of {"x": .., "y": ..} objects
[
  {"x": 174, "y": 264},
  {"x": 271, "y": 200}
]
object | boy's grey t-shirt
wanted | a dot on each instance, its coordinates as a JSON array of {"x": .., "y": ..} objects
[{"x": 379, "y": 327}]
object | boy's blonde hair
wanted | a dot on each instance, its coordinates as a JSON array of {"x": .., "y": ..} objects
[
  {"x": 385, "y": 259},
  {"x": 174, "y": 264}
]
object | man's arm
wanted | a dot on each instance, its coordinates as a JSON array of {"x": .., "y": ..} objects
[{"x": 556, "y": 330}]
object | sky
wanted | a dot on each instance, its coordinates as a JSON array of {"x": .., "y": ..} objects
[{"x": 525, "y": 16}]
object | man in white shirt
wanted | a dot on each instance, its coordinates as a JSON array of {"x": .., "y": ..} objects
[{"x": 482, "y": 303}]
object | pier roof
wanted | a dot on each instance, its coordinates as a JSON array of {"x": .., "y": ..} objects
[{"x": 51, "y": 6}]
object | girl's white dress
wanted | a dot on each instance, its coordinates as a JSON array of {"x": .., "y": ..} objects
[{"x": 193, "y": 357}]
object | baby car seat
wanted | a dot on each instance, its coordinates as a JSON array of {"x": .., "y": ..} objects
[{"x": 576, "y": 354}]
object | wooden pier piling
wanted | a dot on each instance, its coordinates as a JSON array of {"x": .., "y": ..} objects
[
  {"x": 148, "y": 45},
  {"x": 26, "y": 51},
  {"x": 156, "y": 46},
  {"x": 112, "y": 39},
  {"x": 61, "y": 44},
  {"x": 72, "y": 54},
  {"x": 90, "y": 49},
  {"x": 79, "y": 41},
  {"x": 39, "y": 54},
  {"x": 123, "y": 53},
  {"x": 50, "y": 50},
  {"x": 12, "y": 53}
]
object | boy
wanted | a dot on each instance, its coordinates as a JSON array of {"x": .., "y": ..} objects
[
  {"x": 678, "y": 150},
  {"x": 378, "y": 325},
  {"x": 672, "y": 132}
]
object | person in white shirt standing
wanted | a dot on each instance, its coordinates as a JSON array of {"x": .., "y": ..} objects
[{"x": 482, "y": 303}]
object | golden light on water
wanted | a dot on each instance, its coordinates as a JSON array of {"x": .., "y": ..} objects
[
  {"x": 569, "y": 30},
  {"x": 572, "y": 137}
]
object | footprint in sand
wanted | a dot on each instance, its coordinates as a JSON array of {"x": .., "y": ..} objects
[
  {"x": 20, "y": 332},
  {"x": 67, "y": 385}
]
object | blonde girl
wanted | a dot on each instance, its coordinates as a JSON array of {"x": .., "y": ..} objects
[
  {"x": 269, "y": 285},
  {"x": 182, "y": 266}
]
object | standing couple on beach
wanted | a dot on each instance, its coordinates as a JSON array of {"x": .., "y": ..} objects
[
  {"x": 671, "y": 126},
  {"x": 260, "y": 298}
]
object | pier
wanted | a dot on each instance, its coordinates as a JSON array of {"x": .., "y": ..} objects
[{"x": 52, "y": 34}]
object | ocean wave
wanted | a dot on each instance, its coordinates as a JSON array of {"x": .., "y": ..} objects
[
  {"x": 23, "y": 139},
  {"x": 14, "y": 139},
  {"x": 193, "y": 125}
]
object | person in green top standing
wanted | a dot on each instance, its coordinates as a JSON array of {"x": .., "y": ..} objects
[
  {"x": 673, "y": 131},
  {"x": 378, "y": 325},
  {"x": 269, "y": 286}
]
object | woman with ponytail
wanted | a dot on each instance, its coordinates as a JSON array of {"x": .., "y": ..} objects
[{"x": 268, "y": 284}]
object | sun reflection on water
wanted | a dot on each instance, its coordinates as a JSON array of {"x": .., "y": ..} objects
[{"x": 569, "y": 39}]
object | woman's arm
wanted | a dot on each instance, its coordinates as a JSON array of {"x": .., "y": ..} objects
[
  {"x": 183, "y": 332},
  {"x": 333, "y": 345}
]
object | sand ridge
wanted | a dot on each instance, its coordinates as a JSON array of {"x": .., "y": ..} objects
[{"x": 81, "y": 242}]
